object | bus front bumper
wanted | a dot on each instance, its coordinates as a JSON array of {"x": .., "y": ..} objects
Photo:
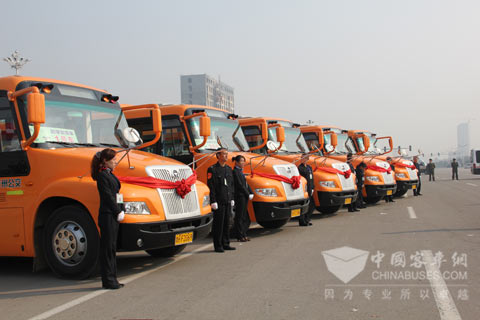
[
  {"x": 145, "y": 236},
  {"x": 331, "y": 199},
  {"x": 403, "y": 185},
  {"x": 270, "y": 211},
  {"x": 374, "y": 191}
]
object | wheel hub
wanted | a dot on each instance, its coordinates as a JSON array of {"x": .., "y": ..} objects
[{"x": 69, "y": 243}]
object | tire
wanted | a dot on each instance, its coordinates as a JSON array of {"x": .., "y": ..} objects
[
  {"x": 71, "y": 243},
  {"x": 373, "y": 200},
  {"x": 328, "y": 210},
  {"x": 400, "y": 193},
  {"x": 274, "y": 224},
  {"x": 166, "y": 252}
]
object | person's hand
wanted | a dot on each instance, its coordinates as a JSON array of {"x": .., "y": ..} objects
[
  {"x": 214, "y": 206},
  {"x": 250, "y": 196},
  {"x": 232, "y": 203},
  {"x": 121, "y": 216},
  {"x": 311, "y": 193}
]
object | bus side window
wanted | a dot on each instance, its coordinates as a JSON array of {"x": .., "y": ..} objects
[
  {"x": 174, "y": 142},
  {"x": 9, "y": 140}
]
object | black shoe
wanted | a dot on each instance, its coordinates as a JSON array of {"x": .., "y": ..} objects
[
  {"x": 420, "y": 194},
  {"x": 113, "y": 286},
  {"x": 310, "y": 224},
  {"x": 363, "y": 207},
  {"x": 356, "y": 210},
  {"x": 219, "y": 250},
  {"x": 229, "y": 248}
]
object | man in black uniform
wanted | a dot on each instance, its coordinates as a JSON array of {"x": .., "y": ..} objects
[
  {"x": 306, "y": 171},
  {"x": 454, "y": 165},
  {"x": 360, "y": 173},
  {"x": 220, "y": 182},
  {"x": 352, "y": 207},
  {"x": 416, "y": 192}
]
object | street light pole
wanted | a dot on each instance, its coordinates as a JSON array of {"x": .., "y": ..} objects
[{"x": 15, "y": 61}]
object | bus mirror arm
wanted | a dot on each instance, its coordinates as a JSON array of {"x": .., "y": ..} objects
[{"x": 35, "y": 110}]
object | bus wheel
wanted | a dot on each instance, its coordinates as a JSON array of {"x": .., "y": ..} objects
[
  {"x": 166, "y": 252},
  {"x": 274, "y": 224},
  {"x": 400, "y": 193},
  {"x": 328, "y": 210},
  {"x": 373, "y": 200},
  {"x": 71, "y": 243}
]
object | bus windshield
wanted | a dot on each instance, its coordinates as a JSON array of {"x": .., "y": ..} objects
[
  {"x": 76, "y": 123},
  {"x": 294, "y": 140},
  {"x": 344, "y": 143},
  {"x": 225, "y": 133}
]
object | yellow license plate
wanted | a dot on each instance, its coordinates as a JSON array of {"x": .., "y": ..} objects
[
  {"x": 414, "y": 186},
  {"x": 348, "y": 200},
  {"x": 296, "y": 213},
  {"x": 183, "y": 238},
  {"x": 389, "y": 192}
]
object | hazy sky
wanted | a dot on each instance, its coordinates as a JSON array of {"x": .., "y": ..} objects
[{"x": 404, "y": 68}]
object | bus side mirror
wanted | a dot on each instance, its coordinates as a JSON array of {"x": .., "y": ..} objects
[
  {"x": 157, "y": 121},
  {"x": 366, "y": 142},
  {"x": 280, "y": 131},
  {"x": 36, "y": 108},
  {"x": 333, "y": 139},
  {"x": 205, "y": 126}
]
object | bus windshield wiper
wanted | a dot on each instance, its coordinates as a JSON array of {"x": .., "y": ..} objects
[
  {"x": 69, "y": 144},
  {"x": 110, "y": 145}
]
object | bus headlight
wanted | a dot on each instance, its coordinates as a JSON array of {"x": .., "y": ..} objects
[
  {"x": 206, "y": 200},
  {"x": 400, "y": 175},
  {"x": 267, "y": 192},
  {"x": 373, "y": 178},
  {"x": 133, "y": 207},
  {"x": 327, "y": 184}
]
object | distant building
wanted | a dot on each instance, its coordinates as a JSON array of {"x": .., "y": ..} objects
[
  {"x": 205, "y": 90},
  {"x": 463, "y": 139}
]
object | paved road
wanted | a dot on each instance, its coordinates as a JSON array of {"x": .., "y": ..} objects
[{"x": 283, "y": 274}]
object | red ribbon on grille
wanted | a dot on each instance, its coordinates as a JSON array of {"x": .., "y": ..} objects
[
  {"x": 294, "y": 181},
  {"x": 346, "y": 174},
  {"x": 400, "y": 164},
  {"x": 379, "y": 169},
  {"x": 183, "y": 187}
]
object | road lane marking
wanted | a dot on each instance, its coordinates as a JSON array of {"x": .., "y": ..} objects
[
  {"x": 411, "y": 213},
  {"x": 472, "y": 184},
  {"x": 445, "y": 304},
  {"x": 94, "y": 294}
]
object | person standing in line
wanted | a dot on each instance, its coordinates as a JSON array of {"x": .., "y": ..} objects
[
  {"x": 220, "y": 182},
  {"x": 306, "y": 171},
  {"x": 454, "y": 166},
  {"x": 110, "y": 214},
  {"x": 360, "y": 173},
  {"x": 431, "y": 170},
  {"x": 389, "y": 198},
  {"x": 352, "y": 207},
  {"x": 243, "y": 193},
  {"x": 416, "y": 191}
]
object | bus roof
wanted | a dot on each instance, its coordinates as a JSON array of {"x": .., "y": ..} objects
[{"x": 11, "y": 82}]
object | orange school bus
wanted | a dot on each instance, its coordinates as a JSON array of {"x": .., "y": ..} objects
[
  {"x": 192, "y": 134},
  {"x": 405, "y": 172},
  {"x": 334, "y": 184},
  {"x": 49, "y": 132},
  {"x": 379, "y": 181}
]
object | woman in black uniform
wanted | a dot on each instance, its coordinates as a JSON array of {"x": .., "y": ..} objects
[
  {"x": 109, "y": 216},
  {"x": 243, "y": 193}
]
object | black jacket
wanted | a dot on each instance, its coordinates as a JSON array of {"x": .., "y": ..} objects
[
  {"x": 417, "y": 165},
  {"x": 242, "y": 189},
  {"x": 220, "y": 182},
  {"x": 108, "y": 186},
  {"x": 359, "y": 172},
  {"x": 307, "y": 172}
]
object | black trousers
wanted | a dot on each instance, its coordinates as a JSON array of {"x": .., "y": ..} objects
[
  {"x": 359, "y": 196},
  {"x": 431, "y": 176},
  {"x": 454, "y": 174},
  {"x": 305, "y": 218},
  {"x": 108, "y": 248},
  {"x": 419, "y": 187},
  {"x": 241, "y": 222},
  {"x": 221, "y": 226}
]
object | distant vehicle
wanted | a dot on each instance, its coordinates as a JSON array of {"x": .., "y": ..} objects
[
  {"x": 475, "y": 160},
  {"x": 467, "y": 165}
]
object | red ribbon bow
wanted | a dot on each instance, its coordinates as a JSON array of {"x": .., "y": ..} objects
[
  {"x": 294, "y": 181},
  {"x": 182, "y": 187},
  {"x": 346, "y": 174},
  {"x": 379, "y": 169},
  {"x": 400, "y": 164}
]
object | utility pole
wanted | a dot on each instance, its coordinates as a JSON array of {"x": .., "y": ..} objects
[{"x": 15, "y": 61}]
